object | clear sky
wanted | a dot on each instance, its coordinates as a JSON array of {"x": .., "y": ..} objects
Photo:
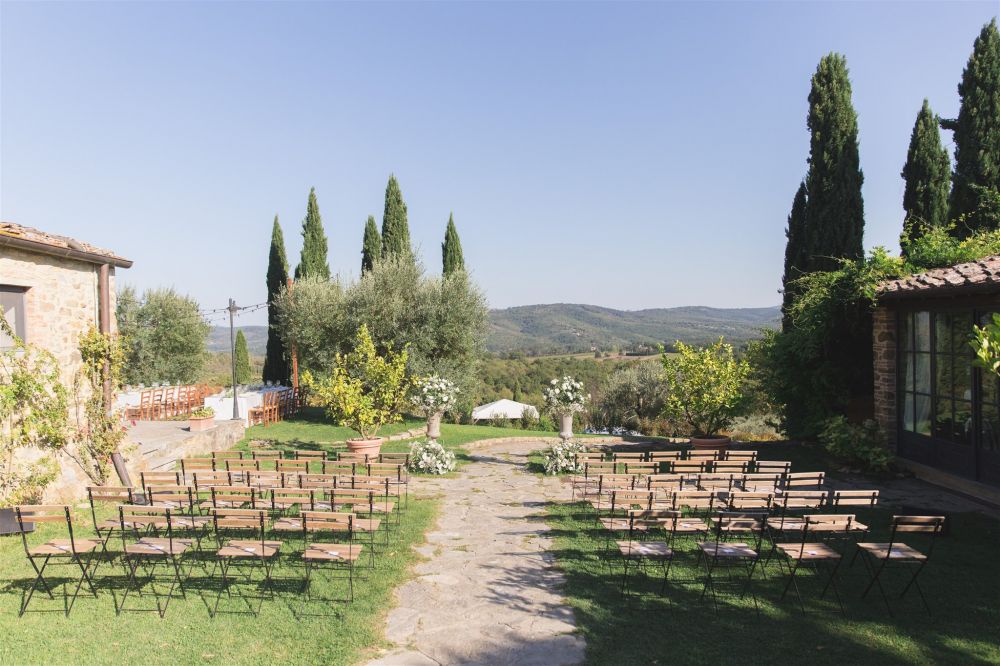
[{"x": 627, "y": 155}]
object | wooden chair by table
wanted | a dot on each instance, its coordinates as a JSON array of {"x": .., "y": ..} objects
[
  {"x": 149, "y": 551},
  {"x": 148, "y": 409},
  {"x": 338, "y": 550},
  {"x": 645, "y": 522},
  {"x": 812, "y": 552},
  {"x": 879, "y": 556},
  {"x": 719, "y": 553},
  {"x": 158, "y": 403},
  {"x": 73, "y": 551},
  {"x": 170, "y": 401},
  {"x": 256, "y": 551}
]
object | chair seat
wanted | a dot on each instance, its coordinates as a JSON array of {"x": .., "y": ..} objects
[
  {"x": 189, "y": 522},
  {"x": 809, "y": 551},
  {"x": 723, "y": 550},
  {"x": 110, "y": 524},
  {"x": 249, "y": 548},
  {"x": 377, "y": 507},
  {"x": 157, "y": 547},
  {"x": 223, "y": 504},
  {"x": 64, "y": 547},
  {"x": 900, "y": 551},
  {"x": 332, "y": 552},
  {"x": 367, "y": 524},
  {"x": 619, "y": 524},
  {"x": 287, "y": 503},
  {"x": 688, "y": 525},
  {"x": 650, "y": 549}
]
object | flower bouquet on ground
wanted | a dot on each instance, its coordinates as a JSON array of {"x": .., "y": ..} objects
[
  {"x": 561, "y": 458},
  {"x": 430, "y": 458}
]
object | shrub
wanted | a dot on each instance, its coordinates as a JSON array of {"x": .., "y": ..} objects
[
  {"x": 561, "y": 458},
  {"x": 986, "y": 344},
  {"x": 429, "y": 457},
  {"x": 528, "y": 420},
  {"x": 704, "y": 386},
  {"x": 632, "y": 395},
  {"x": 861, "y": 445}
]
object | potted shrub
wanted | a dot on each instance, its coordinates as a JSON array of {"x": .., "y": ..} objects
[
  {"x": 34, "y": 414},
  {"x": 433, "y": 396},
  {"x": 363, "y": 392},
  {"x": 704, "y": 390},
  {"x": 201, "y": 419},
  {"x": 565, "y": 397}
]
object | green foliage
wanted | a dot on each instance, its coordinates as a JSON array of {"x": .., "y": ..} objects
[
  {"x": 451, "y": 249},
  {"x": 631, "y": 396},
  {"x": 977, "y": 132},
  {"x": 99, "y": 430},
  {"x": 163, "y": 336},
  {"x": 395, "y": 228},
  {"x": 941, "y": 247},
  {"x": 704, "y": 386},
  {"x": 314, "y": 248},
  {"x": 862, "y": 445},
  {"x": 276, "y": 365},
  {"x": 835, "y": 218},
  {"x": 796, "y": 258},
  {"x": 371, "y": 250},
  {"x": 244, "y": 371},
  {"x": 927, "y": 172},
  {"x": 33, "y": 415},
  {"x": 986, "y": 344},
  {"x": 365, "y": 390},
  {"x": 202, "y": 413}
]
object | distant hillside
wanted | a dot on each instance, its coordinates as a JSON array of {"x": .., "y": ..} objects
[
  {"x": 218, "y": 339},
  {"x": 565, "y": 327}
]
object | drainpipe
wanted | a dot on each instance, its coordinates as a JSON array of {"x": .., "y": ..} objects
[{"x": 104, "y": 325}]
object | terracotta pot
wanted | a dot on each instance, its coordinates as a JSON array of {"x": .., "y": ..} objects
[
  {"x": 371, "y": 446},
  {"x": 717, "y": 443},
  {"x": 434, "y": 426},
  {"x": 566, "y": 426},
  {"x": 201, "y": 423}
]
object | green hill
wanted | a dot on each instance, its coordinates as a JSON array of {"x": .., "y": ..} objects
[{"x": 565, "y": 327}]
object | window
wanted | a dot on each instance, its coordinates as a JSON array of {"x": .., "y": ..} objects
[
  {"x": 916, "y": 376},
  {"x": 12, "y": 308}
]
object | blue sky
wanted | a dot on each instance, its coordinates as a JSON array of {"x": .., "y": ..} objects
[{"x": 627, "y": 155}]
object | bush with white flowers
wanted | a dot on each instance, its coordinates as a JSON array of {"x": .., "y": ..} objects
[
  {"x": 561, "y": 458},
  {"x": 565, "y": 396},
  {"x": 434, "y": 394},
  {"x": 431, "y": 458}
]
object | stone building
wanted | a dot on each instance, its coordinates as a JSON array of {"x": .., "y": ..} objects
[
  {"x": 941, "y": 413},
  {"x": 53, "y": 289}
]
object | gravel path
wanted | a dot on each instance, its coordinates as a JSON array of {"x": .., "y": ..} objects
[{"x": 488, "y": 593}]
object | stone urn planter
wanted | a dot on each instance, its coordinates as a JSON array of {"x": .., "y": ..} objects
[
  {"x": 566, "y": 426},
  {"x": 713, "y": 442},
  {"x": 434, "y": 425},
  {"x": 370, "y": 447},
  {"x": 201, "y": 423}
]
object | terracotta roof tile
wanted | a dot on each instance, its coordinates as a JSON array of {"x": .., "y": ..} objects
[
  {"x": 980, "y": 275},
  {"x": 56, "y": 242}
]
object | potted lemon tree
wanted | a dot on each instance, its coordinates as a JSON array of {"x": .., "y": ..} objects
[
  {"x": 364, "y": 391},
  {"x": 705, "y": 391}
]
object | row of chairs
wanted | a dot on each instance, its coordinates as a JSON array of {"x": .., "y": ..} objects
[
  {"x": 263, "y": 459},
  {"x": 167, "y": 402},
  {"x": 277, "y": 405},
  {"x": 663, "y": 456},
  {"x": 288, "y": 473},
  {"x": 590, "y": 467},
  {"x": 756, "y": 481}
]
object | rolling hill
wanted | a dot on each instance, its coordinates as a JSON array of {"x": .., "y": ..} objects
[{"x": 565, "y": 327}]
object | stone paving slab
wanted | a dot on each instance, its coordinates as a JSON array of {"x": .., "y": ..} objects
[{"x": 488, "y": 594}]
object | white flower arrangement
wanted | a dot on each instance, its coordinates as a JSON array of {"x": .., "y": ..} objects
[
  {"x": 565, "y": 396},
  {"x": 431, "y": 458},
  {"x": 561, "y": 458},
  {"x": 434, "y": 394}
]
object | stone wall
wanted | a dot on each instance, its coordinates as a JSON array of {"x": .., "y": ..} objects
[
  {"x": 884, "y": 354},
  {"x": 61, "y": 303}
]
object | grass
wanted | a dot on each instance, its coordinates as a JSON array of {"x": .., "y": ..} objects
[{"x": 960, "y": 581}]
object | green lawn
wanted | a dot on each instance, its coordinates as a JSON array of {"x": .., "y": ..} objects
[{"x": 961, "y": 581}]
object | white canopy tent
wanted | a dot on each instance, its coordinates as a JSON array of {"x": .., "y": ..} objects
[{"x": 502, "y": 409}]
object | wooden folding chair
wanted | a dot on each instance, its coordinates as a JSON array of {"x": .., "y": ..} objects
[
  {"x": 740, "y": 456},
  {"x": 255, "y": 551},
  {"x": 340, "y": 551},
  {"x": 587, "y": 481},
  {"x": 239, "y": 467},
  {"x": 720, "y": 483},
  {"x": 283, "y": 465},
  {"x": 760, "y": 482},
  {"x": 661, "y": 458},
  {"x": 357, "y": 458},
  {"x": 398, "y": 476},
  {"x": 227, "y": 455},
  {"x": 68, "y": 552},
  {"x": 704, "y": 455},
  {"x": 722, "y": 554},
  {"x": 787, "y": 521},
  {"x": 781, "y": 467},
  {"x": 338, "y": 467},
  {"x": 189, "y": 466},
  {"x": 622, "y": 457},
  {"x": 396, "y": 458},
  {"x": 878, "y": 556},
  {"x": 159, "y": 479},
  {"x": 804, "y": 481},
  {"x": 730, "y": 466},
  {"x": 635, "y": 549},
  {"x": 696, "y": 466},
  {"x": 317, "y": 481},
  {"x": 284, "y": 500},
  {"x": 231, "y": 497},
  {"x": 640, "y": 468},
  {"x": 184, "y": 505},
  {"x": 606, "y": 484},
  {"x": 744, "y": 500},
  {"x": 812, "y": 553},
  {"x": 147, "y": 551},
  {"x": 105, "y": 529},
  {"x": 203, "y": 482},
  {"x": 316, "y": 457},
  {"x": 699, "y": 503}
]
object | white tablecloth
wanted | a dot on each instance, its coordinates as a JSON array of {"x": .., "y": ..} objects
[{"x": 223, "y": 405}]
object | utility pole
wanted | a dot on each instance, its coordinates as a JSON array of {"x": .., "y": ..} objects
[{"x": 232, "y": 353}]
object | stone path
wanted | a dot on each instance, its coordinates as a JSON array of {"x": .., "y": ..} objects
[{"x": 488, "y": 593}]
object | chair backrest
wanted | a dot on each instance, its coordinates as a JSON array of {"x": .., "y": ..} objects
[
  {"x": 742, "y": 500},
  {"x": 663, "y": 456},
  {"x": 608, "y": 482},
  {"x": 730, "y": 466},
  {"x": 317, "y": 480},
  {"x": 159, "y": 479},
  {"x": 227, "y": 455},
  {"x": 136, "y": 519},
  {"x": 804, "y": 480},
  {"x": 622, "y": 500},
  {"x": 205, "y": 480},
  {"x": 666, "y": 518},
  {"x": 284, "y": 465},
  {"x": 592, "y": 469},
  {"x": 228, "y": 495},
  {"x": 641, "y": 468},
  {"x": 251, "y": 520},
  {"x": 827, "y": 524},
  {"x": 760, "y": 482},
  {"x": 664, "y": 482},
  {"x": 714, "y": 482},
  {"x": 703, "y": 454},
  {"x": 116, "y": 494},
  {"x": 401, "y": 458},
  {"x": 191, "y": 465},
  {"x": 798, "y": 500},
  {"x": 284, "y": 497},
  {"x": 588, "y": 456},
  {"x": 740, "y": 521},
  {"x": 355, "y": 496},
  {"x": 338, "y": 467},
  {"x": 242, "y": 465},
  {"x": 395, "y": 471},
  {"x": 773, "y": 467},
  {"x": 179, "y": 497},
  {"x": 28, "y": 514},
  {"x": 346, "y": 456},
  {"x": 266, "y": 454},
  {"x": 745, "y": 456},
  {"x": 265, "y": 479},
  {"x": 687, "y": 466},
  {"x": 700, "y": 500},
  {"x": 310, "y": 455},
  {"x": 328, "y": 521},
  {"x": 854, "y": 498},
  {"x": 625, "y": 456}
]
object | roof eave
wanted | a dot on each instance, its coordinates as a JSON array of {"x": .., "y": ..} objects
[{"x": 65, "y": 252}]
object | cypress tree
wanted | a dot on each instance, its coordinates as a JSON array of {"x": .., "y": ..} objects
[
  {"x": 977, "y": 132},
  {"x": 795, "y": 258},
  {"x": 395, "y": 228},
  {"x": 926, "y": 172},
  {"x": 371, "y": 250},
  {"x": 313, "y": 262},
  {"x": 275, "y": 359},
  {"x": 835, "y": 218},
  {"x": 451, "y": 249},
  {"x": 244, "y": 372}
]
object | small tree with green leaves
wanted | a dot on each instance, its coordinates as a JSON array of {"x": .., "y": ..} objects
[
  {"x": 704, "y": 386},
  {"x": 371, "y": 249},
  {"x": 986, "y": 344},
  {"x": 451, "y": 249},
  {"x": 364, "y": 391},
  {"x": 33, "y": 415},
  {"x": 244, "y": 370}
]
